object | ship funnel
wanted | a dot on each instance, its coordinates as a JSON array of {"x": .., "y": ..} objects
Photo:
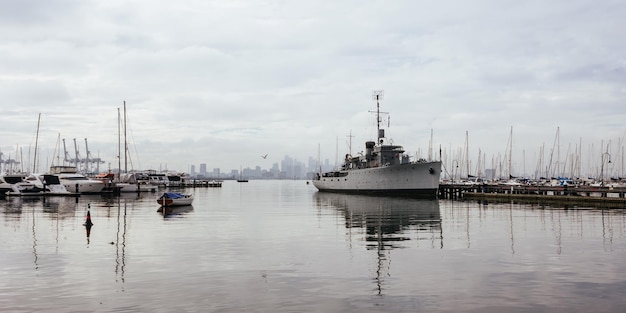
[{"x": 369, "y": 146}]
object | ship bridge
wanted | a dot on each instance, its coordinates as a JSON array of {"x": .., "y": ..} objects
[{"x": 386, "y": 155}]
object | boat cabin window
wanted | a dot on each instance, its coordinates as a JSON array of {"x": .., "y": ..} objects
[{"x": 13, "y": 179}]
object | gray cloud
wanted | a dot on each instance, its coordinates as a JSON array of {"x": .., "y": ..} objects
[{"x": 221, "y": 82}]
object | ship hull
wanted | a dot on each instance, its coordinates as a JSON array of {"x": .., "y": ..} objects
[{"x": 411, "y": 179}]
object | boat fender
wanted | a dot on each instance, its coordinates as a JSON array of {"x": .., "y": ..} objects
[{"x": 431, "y": 170}]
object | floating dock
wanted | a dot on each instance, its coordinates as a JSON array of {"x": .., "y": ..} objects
[
  {"x": 201, "y": 183},
  {"x": 614, "y": 197}
]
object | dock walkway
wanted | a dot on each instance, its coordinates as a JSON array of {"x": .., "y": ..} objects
[{"x": 573, "y": 195}]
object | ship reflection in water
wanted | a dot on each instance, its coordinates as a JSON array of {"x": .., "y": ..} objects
[{"x": 388, "y": 223}]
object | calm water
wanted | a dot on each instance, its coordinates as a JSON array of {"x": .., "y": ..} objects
[{"x": 280, "y": 246}]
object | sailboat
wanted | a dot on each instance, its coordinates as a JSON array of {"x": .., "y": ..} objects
[
  {"x": 128, "y": 182},
  {"x": 241, "y": 179}
]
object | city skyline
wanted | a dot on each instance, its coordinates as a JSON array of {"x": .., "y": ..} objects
[
  {"x": 288, "y": 168},
  {"x": 561, "y": 158}
]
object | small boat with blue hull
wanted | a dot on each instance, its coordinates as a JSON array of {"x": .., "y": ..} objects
[{"x": 175, "y": 199}]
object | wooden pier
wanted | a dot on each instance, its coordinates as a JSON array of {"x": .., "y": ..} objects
[
  {"x": 571, "y": 195},
  {"x": 203, "y": 183}
]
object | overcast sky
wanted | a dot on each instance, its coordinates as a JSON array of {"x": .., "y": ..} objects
[{"x": 224, "y": 82}]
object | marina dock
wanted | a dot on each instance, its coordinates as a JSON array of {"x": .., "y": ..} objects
[
  {"x": 193, "y": 183},
  {"x": 614, "y": 197}
]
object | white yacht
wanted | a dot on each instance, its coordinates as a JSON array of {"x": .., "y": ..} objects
[
  {"x": 20, "y": 185},
  {"x": 53, "y": 185},
  {"x": 135, "y": 182},
  {"x": 74, "y": 181},
  {"x": 126, "y": 183},
  {"x": 157, "y": 178}
]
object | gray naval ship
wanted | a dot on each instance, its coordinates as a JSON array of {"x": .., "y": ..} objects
[{"x": 383, "y": 169}]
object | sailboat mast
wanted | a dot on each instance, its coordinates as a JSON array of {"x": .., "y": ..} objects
[
  {"x": 510, "y": 151},
  {"x": 430, "y": 146},
  {"x": 580, "y": 151},
  {"x": 119, "y": 145},
  {"x": 467, "y": 152},
  {"x": 57, "y": 151},
  {"x": 125, "y": 142},
  {"x": 36, "y": 142},
  {"x": 558, "y": 151},
  {"x": 524, "y": 163}
]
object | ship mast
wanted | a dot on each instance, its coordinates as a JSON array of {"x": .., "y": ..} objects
[{"x": 378, "y": 95}]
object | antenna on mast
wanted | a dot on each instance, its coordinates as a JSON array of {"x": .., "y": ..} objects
[
  {"x": 379, "y": 95},
  {"x": 350, "y": 143}
]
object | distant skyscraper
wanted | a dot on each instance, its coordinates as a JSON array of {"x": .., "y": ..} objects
[
  {"x": 490, "y": 173},
  {"x": 192, "y": 170},
  {"x": 203, "y": 169}
]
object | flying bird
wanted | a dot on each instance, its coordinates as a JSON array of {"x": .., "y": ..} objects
[{"x": 264, "y": 156}]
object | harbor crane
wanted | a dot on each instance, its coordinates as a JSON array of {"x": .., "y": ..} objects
[
  {"x": 85, "y": 164},
  {"x": 66, "y": 155},
  {"x": 9, "y": 164},
  {"x": 92, "y": 161},
  {"x": 78, "y": 158}
]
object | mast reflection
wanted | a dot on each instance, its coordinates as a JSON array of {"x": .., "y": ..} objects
[
  {"x": 120, "y": 247},
  {"x": 388, "y": 222}
]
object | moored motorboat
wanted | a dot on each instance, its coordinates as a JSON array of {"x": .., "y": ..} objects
[
  {"x": 53, "y": 186},
  {"x": 32, "y": 185},
  {"x": 20, "y": 185},
  {"x": 175, "y": 199},
  {"x": 384, "y": 169},
  {"x": 125, "y": 183},
  {"x": 76, "y": 182},
  {"x": 214, "y": 183}
]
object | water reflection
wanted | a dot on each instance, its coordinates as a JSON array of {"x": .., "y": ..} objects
[
  {"x": 175, "y": 211},
  {"x": 120, "y": 248},
  {"x": 389, "y": 223},
  {"x": 113, "y": 201},
  {"x": 35, "y": 254},
  {"x": 288, "y": 251},
  {"x": 51, "y": 222},
  {"x": 88, "y": 224},
  {"x": 518, "y": 220}
]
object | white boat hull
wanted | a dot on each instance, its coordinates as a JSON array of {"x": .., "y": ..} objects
[
  {"x": 165, "y": 201},
  {"x": 75, "y": 182},
  {"x": 83, "y": 186},
  {"x": 409, "y": 179},
  {"x": 127, "y": 187}
]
